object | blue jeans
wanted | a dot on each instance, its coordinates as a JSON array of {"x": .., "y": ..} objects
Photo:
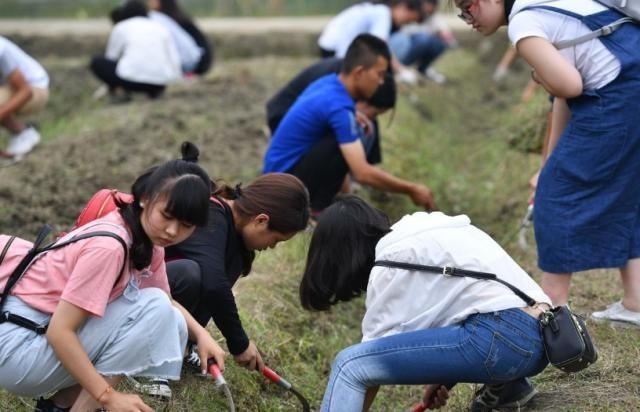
[
  {"x": 416, "y": 48},
  {"x": 485, "y": 348}
]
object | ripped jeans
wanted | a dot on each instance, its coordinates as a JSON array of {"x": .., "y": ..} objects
[{"x": 485, "y": 348}]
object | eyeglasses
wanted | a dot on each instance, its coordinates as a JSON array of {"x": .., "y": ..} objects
[{"x": 465, "y": 12}]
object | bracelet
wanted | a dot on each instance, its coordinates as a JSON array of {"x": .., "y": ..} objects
[{"x": 108, "y": 389}]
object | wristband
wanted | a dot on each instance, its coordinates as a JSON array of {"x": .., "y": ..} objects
[{"x": 108, "y": 389}]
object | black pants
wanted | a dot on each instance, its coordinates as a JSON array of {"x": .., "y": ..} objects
[
  {"x": 325, "y": 54},
  {"x": 105, "y": 70},
  {"x": 185, "y": 279},
  {"x": 322, "y": 169}
]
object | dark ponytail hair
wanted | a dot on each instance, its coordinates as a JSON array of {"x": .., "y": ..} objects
[
  {"x": 281, "y": 196},
  {"x": 185, "y": 186},
  {"x": 172, "y": 9},
  {"x": 341, "y": 253}
]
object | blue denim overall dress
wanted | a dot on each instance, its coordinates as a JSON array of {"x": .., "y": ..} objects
[{"x": 587, "y": 205}]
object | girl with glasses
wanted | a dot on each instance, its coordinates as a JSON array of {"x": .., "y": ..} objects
[
  {"x": 108, "y": 308},
  {"x": 587, "y": 210}
]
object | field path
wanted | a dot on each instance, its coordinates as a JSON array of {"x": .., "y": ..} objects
[{"x": 219, "y": 25}]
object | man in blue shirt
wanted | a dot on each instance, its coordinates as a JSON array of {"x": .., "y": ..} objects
[{"x": 318, "y": 139}]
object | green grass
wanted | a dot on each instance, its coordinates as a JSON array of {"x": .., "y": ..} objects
[{"x": 464, "y": 140}]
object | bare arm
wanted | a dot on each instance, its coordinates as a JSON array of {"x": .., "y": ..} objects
[
  {"x": 373, "y": 176},
  {"x": 22, "y": 94},
  {"x": 560, "y": 117},
  {"x": 62, "y": 337},
  {"x": 552, "y": 71},
  {"x": 207, "y": 347}
]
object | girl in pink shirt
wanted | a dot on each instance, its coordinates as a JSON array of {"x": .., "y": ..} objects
[{"x": 109, "y": 310}]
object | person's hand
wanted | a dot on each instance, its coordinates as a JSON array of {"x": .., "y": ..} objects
[
  {"x": 534, "y": 76},
  {"x": 435, "y": 396},
  {"x": 365, "y": 123},
  {"x": 533, "y": 184},
  {"x": 123, "y": 402},
  {"x": 421, "y": 196},
  {"x": 250, "y": 358},
  {"x": 500, "y": 73},
  {"x": 208, "y": 348}
]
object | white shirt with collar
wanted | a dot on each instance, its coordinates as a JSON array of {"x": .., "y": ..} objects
[
  {"x": 400, "y": 300},
  {"x": 145, "y": 52}
]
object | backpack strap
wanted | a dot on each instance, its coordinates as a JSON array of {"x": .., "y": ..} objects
[
  {"x": 602, "y": 31},
  {"x": 456, "y": 272},
  {"x": 31, "y": 256}
]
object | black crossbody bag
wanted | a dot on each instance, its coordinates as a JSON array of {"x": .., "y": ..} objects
[
  {"x": 6, "y": 316},
  {"x": 567, "y": 342}
]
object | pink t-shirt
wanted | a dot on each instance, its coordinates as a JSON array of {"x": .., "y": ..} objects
[{"x": 82, "y": 273}]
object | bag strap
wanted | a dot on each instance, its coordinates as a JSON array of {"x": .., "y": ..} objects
[
  {"x": 36, "y": 250},
  {"x": 456, "y": 272},
  {"x": 15, "y": 275},
  {"x": 602, "y": 31}
]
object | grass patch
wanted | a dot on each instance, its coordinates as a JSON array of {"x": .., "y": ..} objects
[{"x": 456, "y": 138}]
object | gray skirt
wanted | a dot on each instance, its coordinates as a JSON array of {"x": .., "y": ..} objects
[{"x": 146, "y": 337}]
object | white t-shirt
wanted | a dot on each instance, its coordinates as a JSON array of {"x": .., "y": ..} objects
[
  {"x": 145, "y": 52},
  {"x": 361, "y": 18},
  {"x": 597, "y": 65},
  {"x": 400, "y": 300},
  {"x": 188, "y": 49},
  {"x": 12, "y": 57}
]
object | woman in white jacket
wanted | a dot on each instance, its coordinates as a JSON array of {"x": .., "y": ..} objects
[{"x": 422, "y": 327}]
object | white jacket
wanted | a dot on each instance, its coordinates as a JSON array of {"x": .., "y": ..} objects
[{"x": 400, "y": 300}]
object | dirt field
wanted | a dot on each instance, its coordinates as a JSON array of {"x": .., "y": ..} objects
[{"x": 456, "y": 138}]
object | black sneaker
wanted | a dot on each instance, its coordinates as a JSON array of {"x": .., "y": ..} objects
[
  {"x": 47, "y": 405},
  {"x": 192, "y": 360},
  {"x": 514, "y": 394}
]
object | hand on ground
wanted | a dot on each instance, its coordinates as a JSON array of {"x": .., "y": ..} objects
[{"x": 250, "y": 358}]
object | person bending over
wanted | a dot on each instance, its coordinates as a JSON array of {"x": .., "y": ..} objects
[
  {"x": 587, "y": 199},
  {"x": 107, "y": 304},
  {"x": 24, "y": 89},
  {"x": 423, "y": 327},
  {"x": 195, "y": 52},
  {"x": 319, "y": 140},
  {"x": 140, "y": 56}
]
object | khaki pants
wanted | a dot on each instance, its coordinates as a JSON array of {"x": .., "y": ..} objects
[{"x": 35, "y": 104}]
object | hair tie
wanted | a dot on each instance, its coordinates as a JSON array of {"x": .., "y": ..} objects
[{"x": 237, "y": 190}]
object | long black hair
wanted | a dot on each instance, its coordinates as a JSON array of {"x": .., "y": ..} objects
[
  {"x": 185, "y": 186},
  {"x": 341, "y": 253}
]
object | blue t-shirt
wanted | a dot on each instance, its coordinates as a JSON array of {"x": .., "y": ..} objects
[{"x": 324, "y": 108}]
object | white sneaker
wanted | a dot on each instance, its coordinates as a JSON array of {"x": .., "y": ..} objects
[
  {"x": 407, "y": 76},
  {"x": 23, "y": 142},
  {"x": 154, "y": 387},
  {"x": 617, "y": 312},
  {"x": 435, "y": 76}
]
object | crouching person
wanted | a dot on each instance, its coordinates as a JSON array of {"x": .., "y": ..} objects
[
  {"x": 106, "y": 301},
  {"x": 422, "y": 327},
  {"x": 24, "y": 90}
]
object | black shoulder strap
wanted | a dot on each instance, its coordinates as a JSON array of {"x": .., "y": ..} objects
[
  {"x": 36, "y": 250},
  {"x": 451, "y": 271}
]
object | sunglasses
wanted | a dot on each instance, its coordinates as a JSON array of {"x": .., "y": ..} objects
[{"x": 465, "y": 12}]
